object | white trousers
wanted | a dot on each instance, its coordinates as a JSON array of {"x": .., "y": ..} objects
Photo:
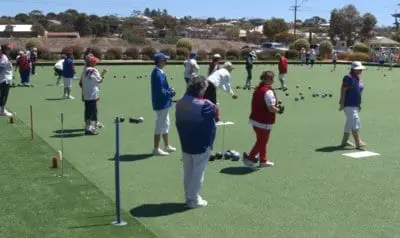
[
  {"x": 162, "y": 122},
  {"x": 352, "y": 119},
  {"x": 194, "y": 167},
  {"x": 68, "y": 82}
]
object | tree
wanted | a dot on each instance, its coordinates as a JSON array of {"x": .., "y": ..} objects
[
  {"x": 368, "y": 23},
  {"x": 233, "y": 33},
  {"x": 210, "y": 20},
  {"x": 147, "y": 12},
  {"x": 254, "y": 37},
  {"x": 51, "y": 15},
  {"x": 315, "y": 21},
  {"x": 165, "y": 12},
  {"x": 345, "y": 23},
  {"x": 325, "y": 48},
  {"x": 22, "y": 17},
  {"x": 82, "y": 25},
  {"x": 36, "y": 14},
  {"x": 100, "y": 28},
  {"x": 38, "y": 29},
  {"x": 274, "y": 26}
]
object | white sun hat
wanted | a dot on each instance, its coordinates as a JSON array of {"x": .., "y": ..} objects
[
  {"x": 228, "y": 65},
  {"x": 357, "y": 65},
  {"x": 217, "y": 56}
]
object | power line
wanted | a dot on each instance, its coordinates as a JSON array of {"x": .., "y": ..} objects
[{"x": 295, "y": 8}]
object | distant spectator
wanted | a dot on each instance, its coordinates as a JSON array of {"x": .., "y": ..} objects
[
  {"x": 24, "y": 67},
  {"x": 196, "y": 129},
  {"x": 191, "y": 67},
  {"x": 6, "y": 76},
  {"x": 58, "y": 68},
  {"x": 33, "y": 59},
  {"x": 214, "y": 64},
  {"x": 283, "y": 70},
  {"x": 68, "y": 74},
  {"x": 249, "y": 68},
  {"x": 161, "y": 95}
]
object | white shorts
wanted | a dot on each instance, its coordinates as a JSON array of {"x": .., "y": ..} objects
[
  {"x": 162, "y": 122},
  {"x": 352, "y": 119},
  {"x": 68, "y": 82},
  {"x": 282, "y": 76}
]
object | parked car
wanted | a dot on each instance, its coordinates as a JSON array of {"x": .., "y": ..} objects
[{"x": 270, "y": 46}]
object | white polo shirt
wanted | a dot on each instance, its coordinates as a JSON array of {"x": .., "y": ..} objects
[
  {"x": 6, "y": 69},
  {"x": 191, "y": 68},
  {"x": 59, "y": 64},
  {"x": 270, "y": 100},
  {"x": 90, "y": 84},
  {"x": 222, "y": 80}
]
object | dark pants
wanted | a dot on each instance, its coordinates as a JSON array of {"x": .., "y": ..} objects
[
  {"x": 211, "y": 93},
  {"x": 249, "y": 74},
  {"x": 58, "y": 72},
  {"x": 91, "y": 110},
  {"x": 24, "y": 76},
  {"x": 4, "y": 90},
  {"x": 187, "y": 80},
  {"x": 312, "y": 62},
  {"x": 33, "y": 68}
]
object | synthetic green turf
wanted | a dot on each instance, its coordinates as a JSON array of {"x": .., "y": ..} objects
[
  {"x": 307, "y": 194},
  {"x": 34, "y": 202}
]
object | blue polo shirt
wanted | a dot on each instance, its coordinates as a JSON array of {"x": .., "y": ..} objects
[
  {"x": 194, "y": 120},
  {"x": 161, "y": 92},
  {"x": 68, "y": 68},
  {"x": 354, "y": 87}
]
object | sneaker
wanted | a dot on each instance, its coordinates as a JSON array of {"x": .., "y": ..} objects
[
  {"x": 249, "y": 164},
  {"x": 266, "y": 164},
  {"x": 91, "y": 132},
  {"x": 5, "y": 113},
  {"x": 170, "y": 149},
  {"x": 361, "y": 145},
  {"x": 99, "y": 125},
  {"x": 348, "y": 143},
  {"x": 197, "y": 204},
  {"x": 160, "y": 152},
  {"x": 70, "y": 97}
]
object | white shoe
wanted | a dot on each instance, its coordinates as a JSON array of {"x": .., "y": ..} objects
[
  {"x": 267, "y": 164},
  {"x": 170, "y": 149},
  {"x": 70, "y": 97},
  {"x": 249, "y": 164},
  {"x": 99, "y": 125},
  {"x": 160, "y": 152},
  {"x": 5, "y": 113},
  {"x": 197, "y": 204}
]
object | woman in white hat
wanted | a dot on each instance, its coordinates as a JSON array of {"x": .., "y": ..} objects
[
  {"x": 350, "y": 103},
  {"x": 214, "y": 64}
]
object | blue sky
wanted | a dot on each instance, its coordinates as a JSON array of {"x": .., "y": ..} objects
[{"x": 208, "y": 8}]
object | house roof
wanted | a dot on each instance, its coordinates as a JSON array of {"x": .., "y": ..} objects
[
  {"x": 18, "y": 28},
  {"x": 62, "y": 34},
  {"x": 381, "y": 40},
  {"x": 143, "y": 17}
]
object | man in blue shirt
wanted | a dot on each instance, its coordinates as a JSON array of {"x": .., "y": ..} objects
[
  {"x": 161, "y": 97},
  {"x": 196, "y": 128},
  {"x": 350, "y": 103},
  {"x": 68, "y": 74}
]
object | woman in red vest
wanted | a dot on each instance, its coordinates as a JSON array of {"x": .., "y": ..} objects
[{"x": 264, "y": 107}]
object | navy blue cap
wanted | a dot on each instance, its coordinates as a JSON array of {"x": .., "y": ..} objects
[{"x": 160, "y": 57}]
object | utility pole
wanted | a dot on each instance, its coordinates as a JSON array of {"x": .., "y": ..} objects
[{"x": 295, "y": 8}]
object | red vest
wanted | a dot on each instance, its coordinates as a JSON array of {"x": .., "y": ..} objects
[{"x": 259, "y": 109}]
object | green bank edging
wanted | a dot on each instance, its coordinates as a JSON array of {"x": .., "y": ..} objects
[
  {"x": 175, "y": 62},
  {"x": 36, "y": 136}
]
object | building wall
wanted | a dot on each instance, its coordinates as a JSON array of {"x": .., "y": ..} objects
[{"x": 17, "y": 34}]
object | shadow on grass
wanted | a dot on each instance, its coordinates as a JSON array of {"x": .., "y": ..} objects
[
  {"x": 236, "y": 171},
  {"x": 89, "y": 226},
  {"x": 132, "y": 158},
  {"x": 67, "y": 131},
  {"x": 158, "y": 210},
  {"x": 54, "y": 99},
  {"x": 67, "y": 135},
  {"x": 333, "y": 149}
]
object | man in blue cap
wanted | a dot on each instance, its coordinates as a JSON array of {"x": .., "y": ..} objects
[
  {"x": 161, "y": 95},
  {"x": 191, "y": 67}
]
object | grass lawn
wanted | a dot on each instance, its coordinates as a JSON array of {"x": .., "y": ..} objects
[{"x": 313, "y": 190}]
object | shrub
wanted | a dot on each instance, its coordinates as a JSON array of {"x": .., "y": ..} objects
[
  {"x": 149, "y": 52},
  {"x": 185, "y": 43},
  {"x": 33, "y": 43},
  {"x": 182, "y": 53},
  {"x": 361, "y": 48},
  {"x": 325, "y": 48},
  {"x": 77, "y": 51},
  {"x": 202, "y": 55},
  {"x": 343, "y": 56},
  {"x": 301, "y": 43},
  {"x": 220, "y": 51},
  {"x": 133, "y": 37},
  {"x": 181, "y": 57},
  {"x": 45, "y": 54},
  {"x": 233, "y": 55},
  {"x": 170, "y": 52},
  {"x": 292, "y": 54},
  {"x": 132, "y": 53},
  {"x": 170, "y": 40},
  {"x": 358, "y": 56},
  {"x": 14, "y": 53},
  {"x": 265, "y": 56},
  {"x": 114, "y": 53}
]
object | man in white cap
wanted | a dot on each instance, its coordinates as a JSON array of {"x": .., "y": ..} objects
[
  {"x": 350, "y": 103},
  {"x": 220, "y": 79},
  {"x": 214, "y": 64},
  {"x": 249, "y": 68}
]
